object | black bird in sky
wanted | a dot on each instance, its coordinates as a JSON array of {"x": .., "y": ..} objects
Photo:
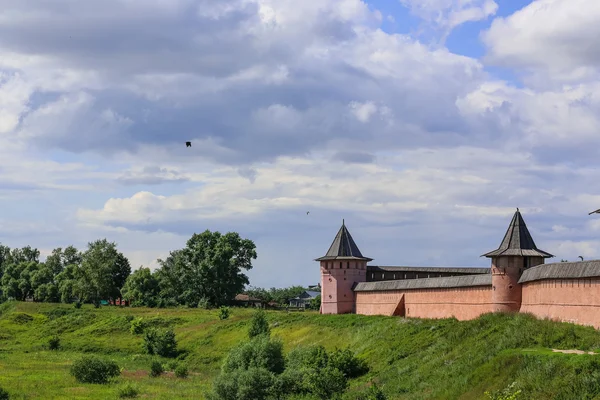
[
  {"x": 188, "y": 144},
  {"x": 581, "y": 258},
  {"x": 595, "y": 212},
  {"x": 307, "y": 212}
]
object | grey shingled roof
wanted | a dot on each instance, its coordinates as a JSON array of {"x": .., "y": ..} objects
[
  {"x": 562, "y": 270},
  {"x": 465, "y": 270},
  {"x": 426, "y": 283},
  {"x": 343, "y": 247},
  {"x": 518, "y": 241}
]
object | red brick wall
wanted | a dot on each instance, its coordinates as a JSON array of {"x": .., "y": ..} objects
[
  {"x": 462, "y": 303},
  {"x": 337, "y": 279},
  {"x": 567, "y": 300}
]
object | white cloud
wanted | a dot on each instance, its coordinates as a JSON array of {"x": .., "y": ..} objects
[{"x": 554, "y": 37}]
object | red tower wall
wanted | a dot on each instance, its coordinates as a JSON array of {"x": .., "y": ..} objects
[
  {"x": 567, "y": 300},
  {"x": 506, "y": 290},
  {"x": 337, "y": 279},
  {"x": 462, "y": 303}
]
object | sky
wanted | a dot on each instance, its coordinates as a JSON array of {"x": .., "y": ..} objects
[{"x": 422, "y": 123}]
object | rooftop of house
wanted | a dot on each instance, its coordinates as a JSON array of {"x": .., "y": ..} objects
[
  {"x": 343, "y": 247},
  {"x": 518, "y": 241}
]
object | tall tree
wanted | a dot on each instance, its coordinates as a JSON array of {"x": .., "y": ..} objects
[
  {"x": 103, "y": 272},
  {"x": 141, "y": 288},
  {"x": 209, "y": 268}
]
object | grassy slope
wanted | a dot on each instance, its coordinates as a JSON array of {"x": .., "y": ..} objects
[{"x": 414, "y": 359}]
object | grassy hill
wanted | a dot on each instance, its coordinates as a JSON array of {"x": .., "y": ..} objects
[{"x": 413, "y": 359}]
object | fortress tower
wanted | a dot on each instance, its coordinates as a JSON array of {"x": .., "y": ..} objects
[
  {"x": 516, "y": 253},
  {"x": 341, "y": 268}
]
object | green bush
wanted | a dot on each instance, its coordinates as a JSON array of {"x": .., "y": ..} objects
[
  {"x": 172, "y": 365},
  {"x": 511, "y": 392},
  {"x": 77, "y": 304},
  {"x": 224, "y": 312},
  {"x": 54, "y": 343},
  {"x": 251, "y": 384},
  {"x": 160, "y": 342},
  {"x": 128, "y": 392},
  {"x": 260, "y": 352},
  {"x": 314, "y": 356},
  {"x": 4, "y": 394},
  {"x": 291, "y": 381},
  {"x": 259, "y": 325},
  {"x": 91, "y": 369},
  {"x": 137, "y": 326},
  {"x": 327, "y": 383},
  {"x": 181, "y": 371},
  {"x": 156, "y": 369},
  {"x": 348, "y": 363}
]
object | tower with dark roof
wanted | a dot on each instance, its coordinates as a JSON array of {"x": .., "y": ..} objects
[
  {"x": 341, "y": 269},
  {"x": 516, "y": 253}
]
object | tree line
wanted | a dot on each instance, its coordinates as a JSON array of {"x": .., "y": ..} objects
[{"x": 207, "y": 272}]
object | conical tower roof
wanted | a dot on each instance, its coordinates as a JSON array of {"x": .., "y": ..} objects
[
  {"x": 518, "y": 241},
  {"x": 343, "y": 247}
]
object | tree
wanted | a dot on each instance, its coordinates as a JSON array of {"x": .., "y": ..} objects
[
  {"x": 141, "y": 288},
  {"x": 103, "y": 272},
  {"x": 16, "y": 280},
  {"x": 315, "y": 304},
  {"x": 208, "y": 268},
  {"x": 60, "y": 259}
]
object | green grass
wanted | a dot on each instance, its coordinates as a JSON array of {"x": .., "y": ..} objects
[{"x": 411, "y": 359}]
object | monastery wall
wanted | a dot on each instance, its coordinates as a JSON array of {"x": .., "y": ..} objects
[
  {"x": 567, "y": 300},
  {"x": 464, "y": 297}
]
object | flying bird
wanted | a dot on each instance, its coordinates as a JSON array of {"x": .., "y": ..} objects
[
  {"x": 595, "y": 212},
  {"x": 307, "y": 212},
  {"x": 188, "y": 144},
  {"x": 581, "y": 258}
]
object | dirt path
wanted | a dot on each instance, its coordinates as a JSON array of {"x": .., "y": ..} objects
[{"x": 573, "y": 352}]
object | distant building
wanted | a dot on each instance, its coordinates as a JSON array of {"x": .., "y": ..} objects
[
  {"x": 245, "y": 300},
  {"x": 304, "y": 298},
  {"x": 519, "y": 280}
]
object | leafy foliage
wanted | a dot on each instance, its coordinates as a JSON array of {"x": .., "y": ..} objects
[
  {"x": 261, "y": 352},
  {"x": 160, "y": 342},
  {"x": 137, "y": 326},
  {"x": 224, "y": 312},
  {"x": 142, "y": 288},
  {"x": 4, "y": 394},
  {"x": 156, "y": 369},
  {"x": 128, "y": 391},
  {"x": 209, "y": 267},
  {"x": 54, "y": 343},
  {"x": 181, "y": 371},
  {"x": 91, "y": 369},
  {"x": 259, "y": 325}
]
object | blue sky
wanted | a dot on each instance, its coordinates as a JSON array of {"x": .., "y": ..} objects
[{"x": 423, "y": 124}]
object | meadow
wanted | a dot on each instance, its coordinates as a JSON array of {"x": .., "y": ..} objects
[{"x": 409, "y": 358}]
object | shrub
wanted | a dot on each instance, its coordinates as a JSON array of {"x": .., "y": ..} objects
[
  {"x": 261, "y": 352},
  {"x": 291, "y": 381},
  {"x": 259, "y": 325},
  {"x": 54, "y": 343},
  {"x": 160, "y": 342},
  {"x": 77, "y": 304},
  {"x": 4, "y": 394},
  {"x": 91, "y": 369},
  {"x": 137, "y": 326},
  {"x": 224, "y": 312},
  {"x": 308, "y": 357},
  {"x": 172, "y": 365},
  {"x": 327, "y": 383},
  {"x": 181, "y": 371},
  {"x": 128, "y": 392},
  {"x": 348, "y": 363},
  {"x": 204, "y": 303},
  {"x": 251, "y": 384},
  {"x": 156, "y": 369}
]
